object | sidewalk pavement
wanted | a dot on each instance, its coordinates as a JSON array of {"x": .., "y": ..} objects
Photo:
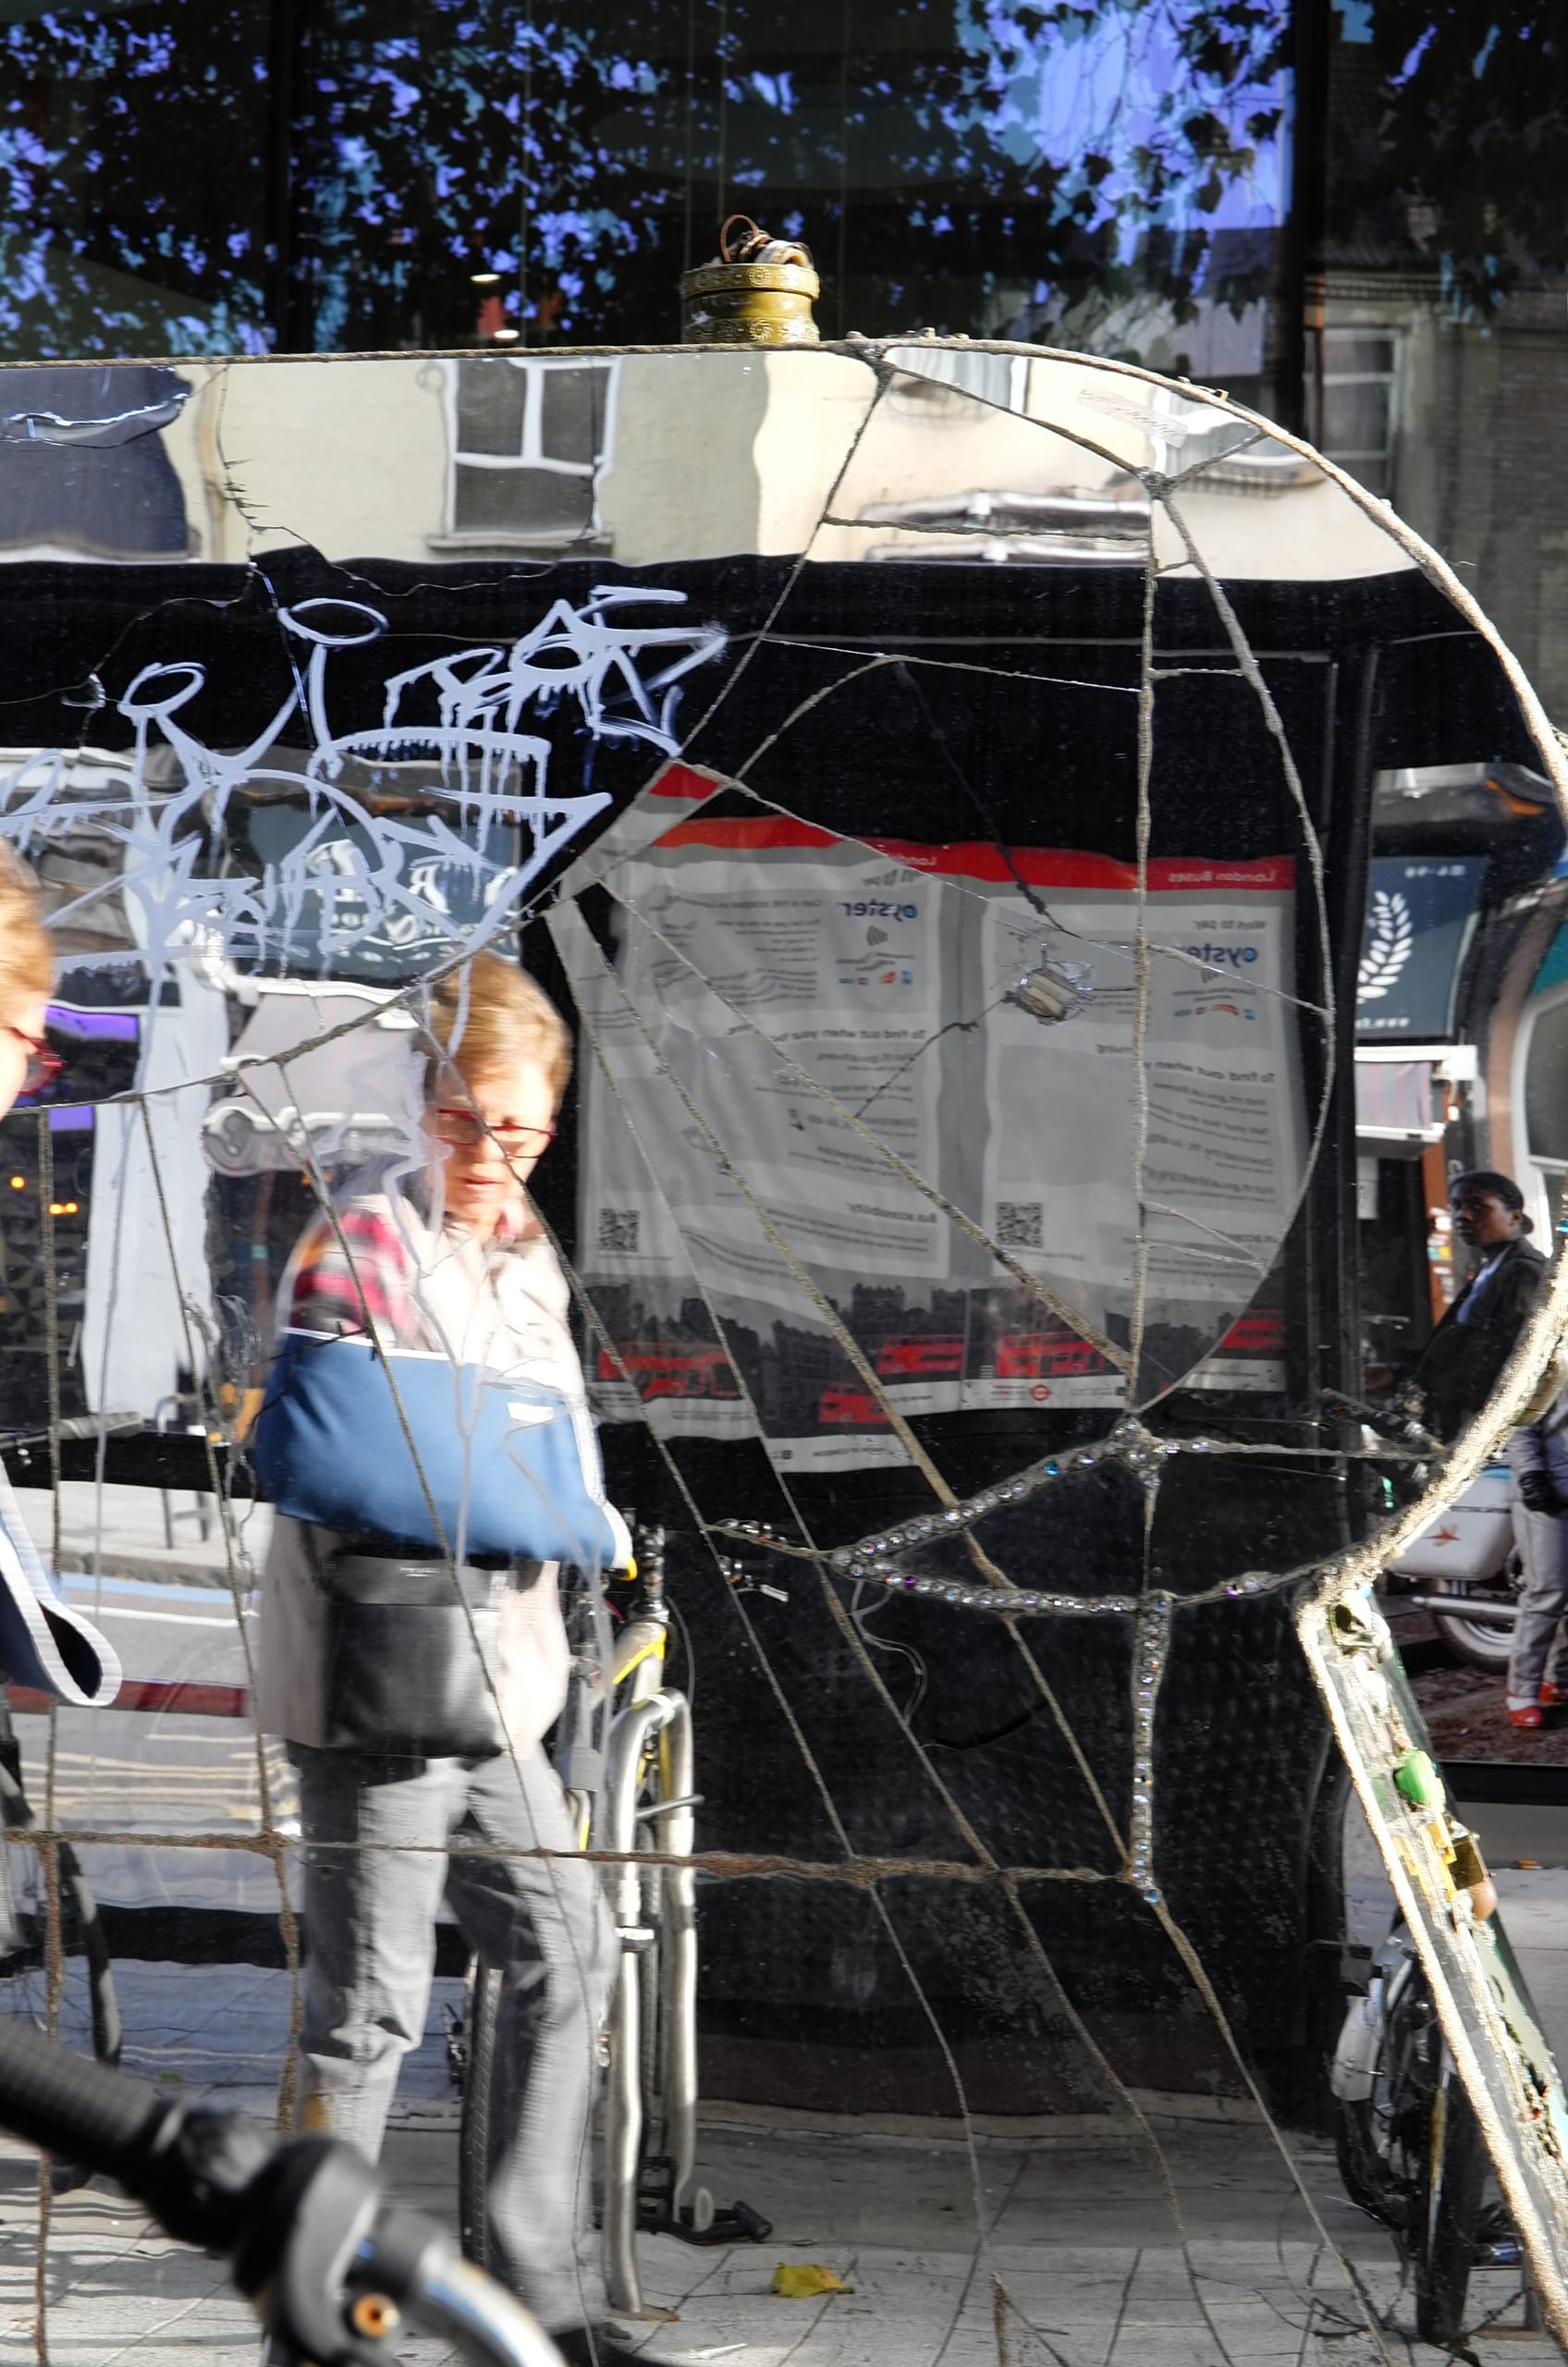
[
  {"x": 167, "y": 1534},
  {"x": 1080, "y": 2264},
  {"x": 1055, "y": 2243}
]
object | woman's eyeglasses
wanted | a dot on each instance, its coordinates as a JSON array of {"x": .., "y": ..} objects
[
  {"x": 44, "y": 1065},
  {"x": 463, "y": 1129}
]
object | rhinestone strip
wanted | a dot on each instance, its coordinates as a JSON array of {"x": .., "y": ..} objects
[
  {"x": 874, "y": 1561},
  {"x": 1150, "y": 1649}
]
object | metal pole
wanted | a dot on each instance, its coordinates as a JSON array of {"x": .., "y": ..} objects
[
  {"x": 674, "y": 1834},
  {"x": 1300, "y": 264},
  {"x": 630, "y": 1738},
  {"x": 286, "y": 34}
]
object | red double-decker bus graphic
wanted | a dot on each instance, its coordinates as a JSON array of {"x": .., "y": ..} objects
[
  {"x": 934, "y": 1357},
  {"x": 1255, "y": 1335},
  {"x": 850, "y": 1409},
  {"x": 1046, "y": 1355},
  {"x": 660, "y": 1371}
]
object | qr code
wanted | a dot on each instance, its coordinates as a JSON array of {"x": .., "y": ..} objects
[
  {"x": 618, "y": 1228},
  {"x": 1019, "y": 1224}
]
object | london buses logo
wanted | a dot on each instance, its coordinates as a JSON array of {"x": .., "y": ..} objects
[{"x": 1389, "y": 935}]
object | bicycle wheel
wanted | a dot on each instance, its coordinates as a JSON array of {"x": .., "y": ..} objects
[
  {"x": 1381, "y": 2131},
  {"x": 1455, "y": 2171},
  {"x": 481, "y": 2007},
  {"x": 482, "y": 2004},
  {"x": 87, "y": 2011},
  {"x": 1363, "y": 2166}
]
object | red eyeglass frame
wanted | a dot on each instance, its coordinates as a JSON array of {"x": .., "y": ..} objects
[{"x": 43, "y": 1063}]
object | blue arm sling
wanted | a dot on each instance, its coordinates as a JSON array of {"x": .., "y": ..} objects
[{"x": 512, "y": 1466}]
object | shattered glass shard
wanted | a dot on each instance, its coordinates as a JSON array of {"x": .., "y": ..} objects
[{"x": 943, "y": 802}]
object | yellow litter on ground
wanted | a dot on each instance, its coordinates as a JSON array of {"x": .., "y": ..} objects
[{"x": 804, "y": 2280}]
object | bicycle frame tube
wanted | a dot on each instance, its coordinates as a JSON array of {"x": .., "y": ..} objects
[
  {"x": 663, "y": 1719},
  {"x": 636, "y": 1663},
  {"x": 675, "y": 1835},
  {"x": 630, "y": 1738},
  {"x": 642, "y": 1644}
]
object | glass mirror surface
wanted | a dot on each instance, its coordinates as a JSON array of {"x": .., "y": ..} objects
[{"x": 1049, "y": 888}]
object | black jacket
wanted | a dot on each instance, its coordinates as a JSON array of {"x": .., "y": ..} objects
[{"x": 1461, "y": 1361}]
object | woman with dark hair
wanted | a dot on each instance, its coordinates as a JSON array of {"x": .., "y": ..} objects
[{"x": 1461, "y": 1362}]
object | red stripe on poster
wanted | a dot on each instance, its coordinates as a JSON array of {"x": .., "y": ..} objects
[
  {"x": 685, "y": 782},
  {"x": 977, "y": 859}
]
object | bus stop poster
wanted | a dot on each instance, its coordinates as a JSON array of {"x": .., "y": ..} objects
[{"x": 764, "y": 983}]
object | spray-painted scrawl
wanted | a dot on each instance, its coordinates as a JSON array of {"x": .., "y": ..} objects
[
  {"x": 369, "y": 852},
  {"x": 236, "y": 922}
]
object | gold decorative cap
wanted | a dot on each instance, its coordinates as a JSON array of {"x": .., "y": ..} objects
[{"x": 757, "y": 291}]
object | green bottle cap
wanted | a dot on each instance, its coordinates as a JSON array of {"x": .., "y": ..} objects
[{"x": 1419, "y": 1780}]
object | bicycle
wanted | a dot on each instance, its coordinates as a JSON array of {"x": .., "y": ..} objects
[
  {"x": 1408, "y": 2143},
  {"x": 633, "y": 1797},
  {"x": 332, "y": 2268},
  {"x": 25, "y": 1951}
]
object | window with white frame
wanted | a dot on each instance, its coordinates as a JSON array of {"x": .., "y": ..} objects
[
  {"x": 1351, "y": 386},
  {"x": 530, "y": 435},
  {"x": 999, "y": 378}
]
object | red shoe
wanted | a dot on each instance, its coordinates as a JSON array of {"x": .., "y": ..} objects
[
  {"x": 1531, "y": 1715},
  {"x": 1550, "y": 1695}
]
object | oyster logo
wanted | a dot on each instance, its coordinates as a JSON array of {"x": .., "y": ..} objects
[{"x": 1391, "y": 933}]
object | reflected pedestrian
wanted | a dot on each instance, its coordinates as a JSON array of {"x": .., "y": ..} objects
[
  {"x": 1460, "y": 1364},
  {"x": 44, "y": 1643},
  {"x": 1538, "y": 1656},
  {"x": 450, "y": 1259}
]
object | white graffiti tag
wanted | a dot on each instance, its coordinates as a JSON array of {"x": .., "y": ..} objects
[{"x": 419, "y": 834}]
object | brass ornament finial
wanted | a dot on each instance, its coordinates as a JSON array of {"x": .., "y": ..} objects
[{"x": 757, "y": 291}]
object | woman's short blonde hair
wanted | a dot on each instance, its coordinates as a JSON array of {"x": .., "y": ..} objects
[
  {"x": 490, "y": 1015},
  {"x": 27, "y": 951}
]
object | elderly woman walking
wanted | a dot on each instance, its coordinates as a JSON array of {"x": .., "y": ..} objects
[{"x": 414, "y": 1680}]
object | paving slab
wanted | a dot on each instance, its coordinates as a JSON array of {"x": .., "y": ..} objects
[
  {"x": 925, "y": 2287},
  {"x": 1061, "y": 2233}
]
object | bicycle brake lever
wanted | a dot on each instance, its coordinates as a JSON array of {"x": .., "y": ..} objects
[
  {"x": 334, "y": 2292},
  {"x": 307, "y": 2217}
]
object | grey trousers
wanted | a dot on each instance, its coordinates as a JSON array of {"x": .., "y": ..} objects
[
  {"x": 1536, "y": 1649},
  {"x": 377, "y": 1835}
]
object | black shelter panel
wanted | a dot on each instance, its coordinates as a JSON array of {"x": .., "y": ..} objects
[
  {"x": 850, "y": 1412},
  {"x": 1047, "y": 758}
]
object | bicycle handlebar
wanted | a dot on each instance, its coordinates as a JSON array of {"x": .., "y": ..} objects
[
  {"x": 331, "y": 2268},
  {"x": 1391, "y": 1420},
  {"x": 67, "y": 2103}
]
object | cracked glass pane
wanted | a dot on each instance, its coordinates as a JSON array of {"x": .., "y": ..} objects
[{"x": 1013, "y": 1198}]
